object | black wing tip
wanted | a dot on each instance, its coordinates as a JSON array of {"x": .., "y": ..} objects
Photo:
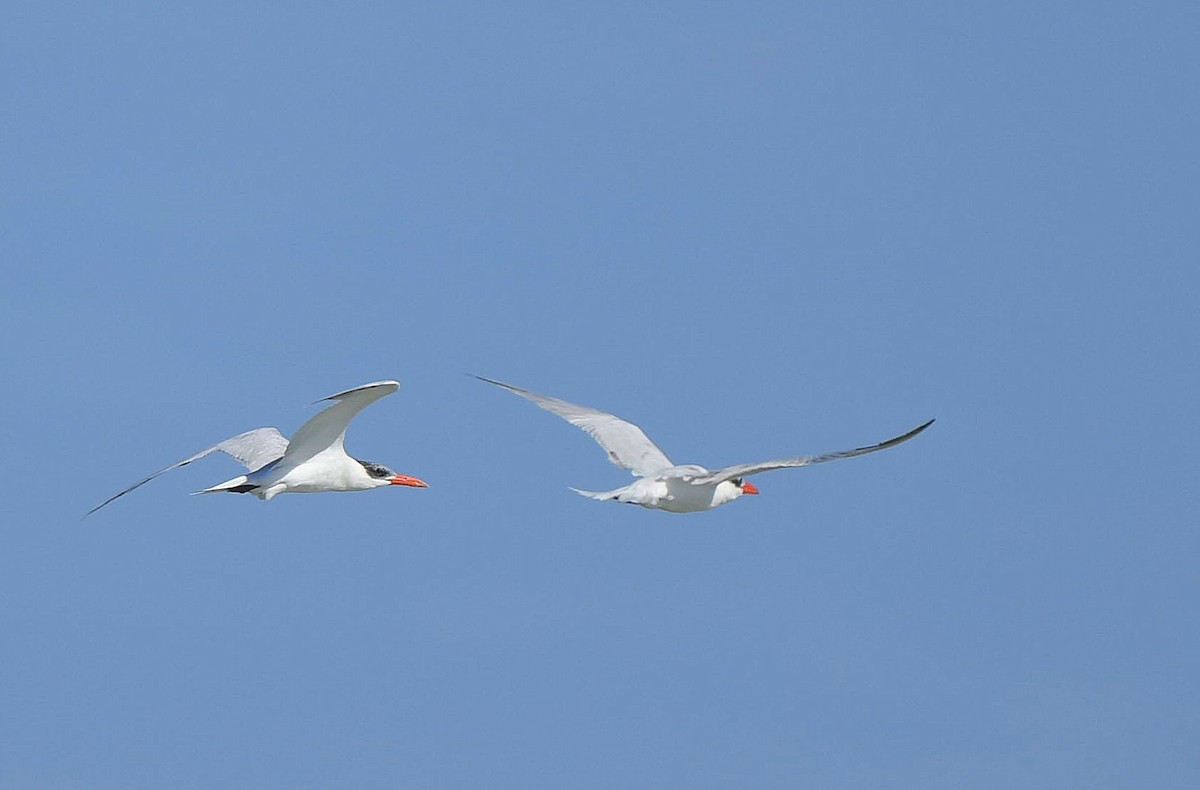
[
  {"x": 102, "y": 504},
  {"x": 915, "y": 431},
  {"x": 368, "y": 385},
  {"x": 500, "y": 384}
]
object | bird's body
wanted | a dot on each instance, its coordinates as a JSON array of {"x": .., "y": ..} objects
[
  {"x": 662, "y": 485},
  {"x": 318, "y": 475},
  {"x": 314, "y": 461},
  {"x": 672, "y": 494}
]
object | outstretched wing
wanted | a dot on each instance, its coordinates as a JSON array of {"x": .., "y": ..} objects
[
  {"x": 327, "y": 430},
  {"x": 627, "y": 445},
  {"x": 254, "y": 449},
  {"x": 742, "y": 470}
]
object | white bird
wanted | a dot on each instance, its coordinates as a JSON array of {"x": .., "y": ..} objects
[
  {"x": 314, "y": 461},
  {"x": 661, "y": 484}
]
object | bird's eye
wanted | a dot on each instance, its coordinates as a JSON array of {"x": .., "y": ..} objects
[
  {"x": 376, "y": 470},
  {"x": 737, "y": 481}
]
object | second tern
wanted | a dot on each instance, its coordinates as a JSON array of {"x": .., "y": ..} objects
[{"x": 661, "y": 484}]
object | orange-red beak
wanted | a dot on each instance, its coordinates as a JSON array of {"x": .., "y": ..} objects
[
  {"x": 748, "y": 487},
  {"x": 405, "y": 480}
]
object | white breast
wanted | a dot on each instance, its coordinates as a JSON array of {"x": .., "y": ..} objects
[
  {"x": 679, "y": 496},
  {"x": 326, "y": 472}
]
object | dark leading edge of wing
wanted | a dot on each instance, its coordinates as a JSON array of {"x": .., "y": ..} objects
[
  {"x": 741, "y": 470},
  {"x": 253, "y": 449}
]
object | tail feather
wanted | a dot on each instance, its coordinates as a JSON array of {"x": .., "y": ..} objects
[
  {"x": 237, "y": 485},
  {"x": 601, "y": 495}
]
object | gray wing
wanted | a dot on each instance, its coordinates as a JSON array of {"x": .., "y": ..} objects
[
  {"x": 327, "y": 430},
  {"x": 627, "y": 446},
  {"x": 253, "y": 449},
  {"x": 742, "y": 470}
]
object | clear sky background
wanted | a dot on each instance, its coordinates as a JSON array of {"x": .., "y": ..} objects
[{"x": 755, "y": 229}]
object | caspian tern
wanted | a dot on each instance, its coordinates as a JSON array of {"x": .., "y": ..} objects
[
  {"x": 314, "y": 461},
  {"x": 661, "y": 484}
]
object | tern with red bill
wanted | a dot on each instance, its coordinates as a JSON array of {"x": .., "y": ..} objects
[
  {"x": 661, "y": 484},
  {"x": 314, "y": 461}
]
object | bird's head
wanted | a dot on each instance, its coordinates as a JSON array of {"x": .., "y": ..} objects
[
  {"x": 729, "y": 490},
  {"x": 746, "y": 486},
  {"x": 382, "y": 476}
]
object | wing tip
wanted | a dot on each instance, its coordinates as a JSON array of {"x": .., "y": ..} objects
[
  {"x": 904, "y": 437},
  {"x": 391, "y": 384},
  {"x": 524, "y": 393},
  {"x": 491, "y": 381},
  {"x": 102, "y": 504}
]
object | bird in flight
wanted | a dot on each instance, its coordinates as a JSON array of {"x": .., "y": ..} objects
[
  {"x": 661, "y": 484},
  {"x": 314, "y": 461}
]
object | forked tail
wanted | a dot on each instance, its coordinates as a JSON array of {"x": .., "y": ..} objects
[
  {"x": 601, "y": 495},
  {"x": 237, "y": 485}
]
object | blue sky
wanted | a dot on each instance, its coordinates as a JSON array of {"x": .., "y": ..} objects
[{"x": 756, "y": 230}]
